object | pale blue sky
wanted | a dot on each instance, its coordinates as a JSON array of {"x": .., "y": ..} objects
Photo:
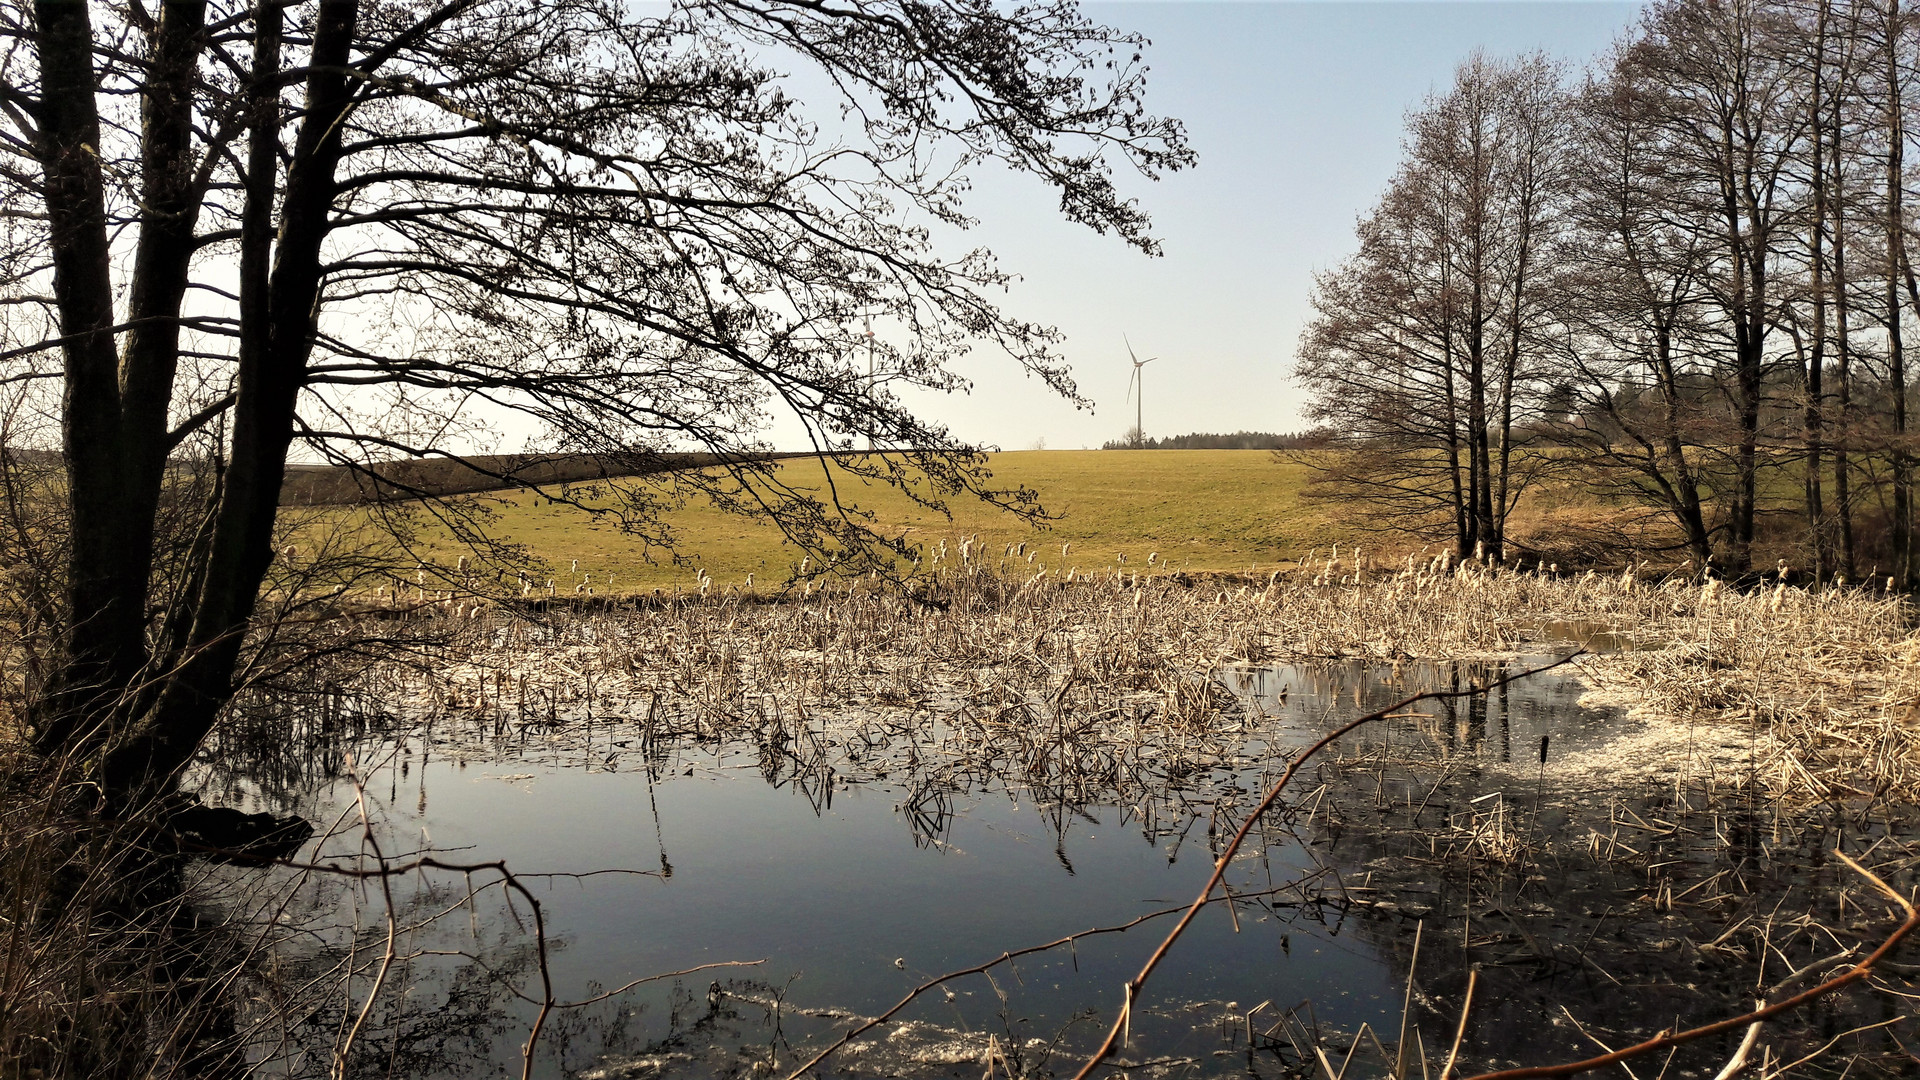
[{"x": 1295, "y": 110}]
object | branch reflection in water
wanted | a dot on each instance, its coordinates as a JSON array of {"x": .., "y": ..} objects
[{"x": 835, "y": 811}]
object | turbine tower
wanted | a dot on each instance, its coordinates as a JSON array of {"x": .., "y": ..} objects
[{"x": 1137, "y": 389}]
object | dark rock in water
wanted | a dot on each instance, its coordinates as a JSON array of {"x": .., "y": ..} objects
[{"x": 239, "y": 837}]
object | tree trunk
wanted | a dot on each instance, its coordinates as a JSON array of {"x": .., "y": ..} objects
[
  {"x": 1477, "y": 419},
  {"x": 1462, "y": 520},
  {"x": 1902, "y": 530},
  {"x": 1813, "y": 493},
  {"x": 1509, "y": 376},
  {"x": 100, "y": 648},
  {"x": 272, "y": 372},
  {"x": 1686, "y": 487},
  {"x": 1840, "y": 437},
  {"x": 1750, "y": 361},
  {"x": 115, "y": 432}
]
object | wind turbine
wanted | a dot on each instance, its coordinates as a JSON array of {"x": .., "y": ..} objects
[{"x": 1137, "y": 389}]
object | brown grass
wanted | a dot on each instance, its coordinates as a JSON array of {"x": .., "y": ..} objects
[
  {"x": 1097, "y": 687},
  {"x": 1824, "y": 685}
]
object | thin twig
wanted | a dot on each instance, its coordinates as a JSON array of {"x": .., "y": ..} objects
[
  {"x": 342, "y": 1052},
  {"x": 1406, "y": 1006},
  {"x": 1664, "y": 1040},
  {"x": 1007, "y": 957},
  {"x": 1246, "y": 826},
  {"x": 1460, "y": 1032}
]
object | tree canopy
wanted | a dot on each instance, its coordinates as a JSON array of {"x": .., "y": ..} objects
[
  {"x": 350, "y": 230},
  {"x": 1695, "y": 296}
]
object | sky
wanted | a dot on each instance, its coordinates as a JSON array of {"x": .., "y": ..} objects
[{"x": 1295, "y": 110}]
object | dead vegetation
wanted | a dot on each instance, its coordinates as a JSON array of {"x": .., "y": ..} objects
[
  {"x": 1118, "y": 690},
  {"x": 1121, "y": 690},
  {"x": 1823, "y": 686}
]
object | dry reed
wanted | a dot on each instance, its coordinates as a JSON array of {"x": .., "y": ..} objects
[
  {"x": 1824, "y": 685},
  {"x": 1107, "y": 687}
]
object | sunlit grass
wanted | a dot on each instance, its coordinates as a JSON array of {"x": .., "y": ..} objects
[{"x": 1200, "y": 510}]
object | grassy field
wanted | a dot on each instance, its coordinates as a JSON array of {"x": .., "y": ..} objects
[{"x": 1197, "y": 509}]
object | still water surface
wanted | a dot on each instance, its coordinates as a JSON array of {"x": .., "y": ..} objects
[
  {"x": 852, "y": 889},
  {"x": 851, "y": 856}
]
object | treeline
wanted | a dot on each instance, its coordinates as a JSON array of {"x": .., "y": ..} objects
[
  {"x": 1683, "y": 276},
  {"x": 1239, "y": 440},
  {"x": 436, "y": 477}
]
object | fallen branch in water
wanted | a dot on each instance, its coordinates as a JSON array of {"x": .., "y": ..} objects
[
  {"x": 1667, "y": 1040},
  {"x": 1007, "y": 957},
  {"x": 1132, "y": 987},
  {"x": 385, "y": 869}
]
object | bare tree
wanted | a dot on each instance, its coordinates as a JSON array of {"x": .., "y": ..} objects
[
  {"x": 341, "y": 228},
  {"x": 1830, "y": 62},
  {"x": 1421, "y": 355},
  {"x": 1641, "y": 413},
  {"x": 1726, "y": 102},
  {"x": 1727, "y": 281},
  {"x": 1721, "y": 146},
  {"x": 1893, "y": 61}
]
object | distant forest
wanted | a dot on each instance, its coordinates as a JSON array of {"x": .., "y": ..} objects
[{"x": 1239, "y": 440}]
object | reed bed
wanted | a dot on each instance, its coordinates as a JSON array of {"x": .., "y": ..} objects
[
  {"x": 1068, "y": 689},
  {"x": 1823, "y": 686},
  {"x": 996, "y": 675}
]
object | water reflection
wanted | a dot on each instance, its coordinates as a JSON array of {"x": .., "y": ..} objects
[{"x": 857, "y": 855}]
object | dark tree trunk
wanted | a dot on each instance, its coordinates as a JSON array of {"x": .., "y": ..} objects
[
  {"x": 116, "y": 436},
  {"x": 1462, "y": 489},
  {"x": 1686, "y": 486},
  {"x": 115, "y": 432},
  {"x": 1840, "y": 437},
  {"x": 1478, "y": 421},
  {"x": 272, "y": 371},
  {"x": 1902, "y": 530},
  {"x": 100, "y": 650},
  {"x": 1509, "y": 377},
  {"x": 1749, "y": 369},
  {"x": 1815, "y": 359}
]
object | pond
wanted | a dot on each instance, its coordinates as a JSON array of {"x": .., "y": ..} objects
[{"x": 840, "y": 863}]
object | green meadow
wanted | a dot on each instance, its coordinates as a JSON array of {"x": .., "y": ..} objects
[{"x": 1204, "y": 510}]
